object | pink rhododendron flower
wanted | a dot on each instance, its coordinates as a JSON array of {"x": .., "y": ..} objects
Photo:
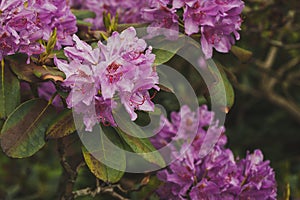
[{"x": 121, "y": 68}]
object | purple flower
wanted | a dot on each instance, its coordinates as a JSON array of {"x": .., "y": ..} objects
[
  {"x": 200, "y": 14},
  {"x": 100, "y": 111},
  {"x": 168, "y": 191},
  {"x": 9, "y": 4},
  {"x": 55, "y": 14},
  {"x": 24, "y": 23},
  {"x": 217, "y": 21},
  {"x": 230, "y": 6},
  {"x": 46, "y": 90},
  {"x": 183, "y": 176},
  {"x": 82, "y": 52},
  {"x": 218, "y": 37},
  {"x": 126, "y": 69},
  {"x": 8, "y": 42},
  {"x": 215, "y": 175},
  {"x": 163, "y": 20},
  {"x": 257, "y": 177},
  {"x": 121, "y": 68},
  {"x": 206, "y": 190},
  {"x": 166, "y": 131}
]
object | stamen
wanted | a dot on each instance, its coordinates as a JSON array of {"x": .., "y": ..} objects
[
  {"x": 138, "y": 103},
  {"x": 154, "y": 94}
]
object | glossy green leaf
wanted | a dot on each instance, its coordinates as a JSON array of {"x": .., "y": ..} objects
[
  {"x": 83, "y": 14},
  {"x": 162, "y": 56},
  {"x": 100, "y": 170},
  {"x": 23, "y": 132},
  {"x": 9, "y": 91},
  {"x": 164, "y": 49},
  {"x": 107, "y": 155},
  {"x": 221, "y": 87},
  {"x": 61, "y": 126},
  {"x": 137, "y": 141}
]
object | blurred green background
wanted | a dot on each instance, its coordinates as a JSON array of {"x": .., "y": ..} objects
[{"x": 266, "y": 113}]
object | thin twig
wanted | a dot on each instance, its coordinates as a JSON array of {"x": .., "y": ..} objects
[
  {"x": 69, "y": 174},
  {"x": 285, "y": 46},
  {"x": 98, "y": 190},
  {"x": 269, "y": 81}
]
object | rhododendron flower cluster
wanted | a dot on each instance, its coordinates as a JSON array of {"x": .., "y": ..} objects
[
  {"x": 24, "y": 23},
  {"x": 216, "y": 175},
  {"x": 122, "y": 67},
  {"x": 218, "y": 21}
]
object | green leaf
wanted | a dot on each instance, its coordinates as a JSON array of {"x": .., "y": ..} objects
[
  {"x": 24, "y": 130},
  {"x": 164, "y": 83},
  {"x": 114, "y": 22},
  {"x": 139, "y": 144},
  {"x": 61, "y": 126},
  {"x": 61, "y": 93},
  {"x": 83, "y": 14},
  {"x": 107, "y": 20},
  {"x": 165, "y": 50},
  {"x": 108, "y": 155},
  {"x": 47, "y": 73},
  {"x": 51, "y": 42},
  {"x": 31, "y": 72},
  {"x": 49, "y": 47},
  {"x": 9, "y": 91},
  {"x": 83, "y": 23},
  {"x": 242, "y": 54},
  {"x": 23, "y": 71},
  {"x": 145, "y": 118},
  {"x": 221, "y": 87},
  {"x": 110, "y": 22},
  {"x": 100, "y": 170},
  {"x": 162, "y": 56},
  {"x": 60, "y": 54}
]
